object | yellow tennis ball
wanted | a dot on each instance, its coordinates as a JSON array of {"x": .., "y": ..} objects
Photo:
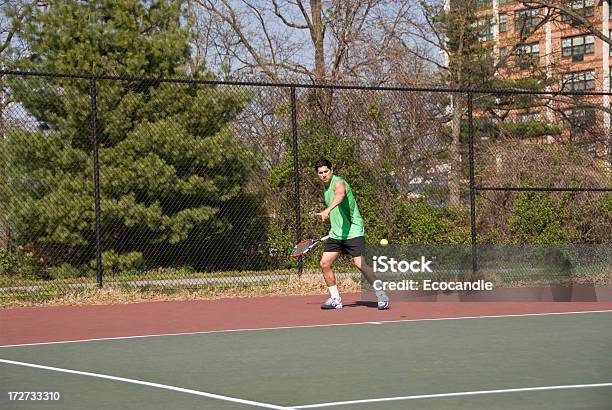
[{"x": 384, "y": 242}]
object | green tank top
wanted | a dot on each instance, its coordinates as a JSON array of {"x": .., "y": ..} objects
[{"x": 346, "y": 221}]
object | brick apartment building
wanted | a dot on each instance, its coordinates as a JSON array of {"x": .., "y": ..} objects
[{"x": 560, "y": 48}]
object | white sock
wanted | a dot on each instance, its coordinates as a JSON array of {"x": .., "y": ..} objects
[
  {"x": 379, "y": 293},
  {"x": 333, "y": 291}
]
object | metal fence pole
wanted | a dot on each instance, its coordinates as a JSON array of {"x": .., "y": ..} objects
[
  {"x": 96, "y": 176},
  {"x": 296, "y": 171},
  {"x": 472, "y": 181}
]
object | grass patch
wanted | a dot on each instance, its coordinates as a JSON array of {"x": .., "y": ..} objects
[
  {"x": 10, "y": 281},
  {"x": 121, "y": 293}
]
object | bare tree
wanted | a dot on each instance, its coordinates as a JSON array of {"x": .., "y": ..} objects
[
  {"x": 324, "y": 42},
  {"x": 359, "y": 41},
  {"x": 372, "y": 41}
]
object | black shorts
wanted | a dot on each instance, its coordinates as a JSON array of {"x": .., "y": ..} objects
[{"x": 354, "y": 246}]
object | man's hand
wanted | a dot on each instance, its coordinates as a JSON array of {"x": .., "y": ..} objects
[{"x": 324, "y": 215}]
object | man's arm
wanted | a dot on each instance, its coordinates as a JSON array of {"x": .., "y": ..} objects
[{"x": 339, "y": 193}]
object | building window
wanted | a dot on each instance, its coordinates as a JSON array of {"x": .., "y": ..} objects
[
  {"x": 580, "y": 117},
  {"x": 484, "y": 29},
  {"x": 528, "y": 54},
  {"x": 503, "y": 23},
  {"x": 484, "y": 3},
  {"x": 532, "y": 50},
  {"x": 577, "y": 47},
  {"x": 586, "y": 8},
  {"x": 580, "y": 81},
  {"x": 528, "y": 116},
  {"x": 526, "y": 20}
]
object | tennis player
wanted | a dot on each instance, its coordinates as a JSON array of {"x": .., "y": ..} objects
[{"x": 346, "y": 235}]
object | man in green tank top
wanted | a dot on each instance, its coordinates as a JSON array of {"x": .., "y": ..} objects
[{"x": 346, "y": 235}]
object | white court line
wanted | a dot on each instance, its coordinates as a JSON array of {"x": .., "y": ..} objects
[
  {"x": 458, "y": 394},
  {"x": 310, "y": 326},
  {"x": 149, "y": 384}
]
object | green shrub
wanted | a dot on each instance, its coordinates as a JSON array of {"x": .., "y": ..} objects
[
  {"x": 418, "y": 222},
  {"x": 22, "y": 263},
  {"x": 31, "y": 270},
  {"x": 8, "y": 262},
  {"x": 529, "y": 129},
  {"x": 539, "y": 218},
  {"x": 114, "y": 262},
  {"x": 590, "y": 217},
  {"x": 280, "y": 243},
  {"x": 67, "y": 271}
]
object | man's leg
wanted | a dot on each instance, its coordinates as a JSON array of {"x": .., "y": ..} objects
[
  {"x": 327, "y": 260},
  {"x": 360, "y": 263},
  {"x": 367, "y": 271}
]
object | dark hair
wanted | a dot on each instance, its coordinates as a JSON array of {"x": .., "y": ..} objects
[{"x": 322, "y": 163}]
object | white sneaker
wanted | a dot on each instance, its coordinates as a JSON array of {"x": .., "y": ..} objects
[
  {"x": 332, "y": 303},
  {"x": 383, "y": 301}
]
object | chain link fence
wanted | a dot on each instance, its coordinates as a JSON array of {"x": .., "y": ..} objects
[{"x": 178, "y": 183}]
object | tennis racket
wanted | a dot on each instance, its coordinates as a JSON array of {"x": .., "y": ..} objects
[{"x": 305, "y": 246}]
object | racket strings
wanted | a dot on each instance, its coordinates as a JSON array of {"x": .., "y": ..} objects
[{"x": 302, "y": 247}]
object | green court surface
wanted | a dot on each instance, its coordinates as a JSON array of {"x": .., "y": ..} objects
[{"x": 379, "y": 365}]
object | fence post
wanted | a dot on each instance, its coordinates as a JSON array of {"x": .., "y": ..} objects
[
  {"x": 296, "y": 171},
  {"x": 96, "y": 176},
  {"x": 472, "y": 181}
]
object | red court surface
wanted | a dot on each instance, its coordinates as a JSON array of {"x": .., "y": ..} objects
[{"x": 65, "y": 323}]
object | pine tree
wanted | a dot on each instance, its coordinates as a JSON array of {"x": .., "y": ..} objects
[{"x": 172, "y": 173}]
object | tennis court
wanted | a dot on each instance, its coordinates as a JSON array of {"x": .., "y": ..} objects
[{"x": 285, "y": 353}]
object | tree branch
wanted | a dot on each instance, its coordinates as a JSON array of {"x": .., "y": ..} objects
[
  {"x": 285, "y": 21},
  {"x": 231, "y": 19},
  {"x": 16, "y": 25},
  {"x": 574, "y": 15}
]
